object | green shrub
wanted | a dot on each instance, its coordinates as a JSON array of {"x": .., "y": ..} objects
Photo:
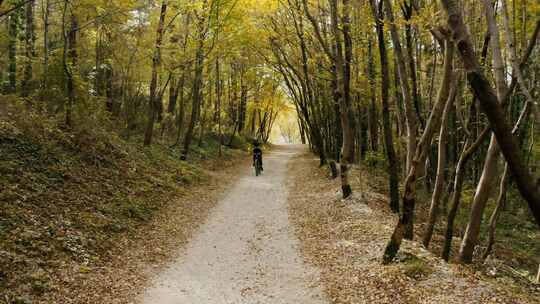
[{"x": 416, "y": 268}]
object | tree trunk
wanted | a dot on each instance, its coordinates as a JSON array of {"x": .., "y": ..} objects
[
  {"x": 404, "y": 85},
  {"x": 404, "y": 227},
  {"x": 439, "y": 181},
  {"x": 347, "y": 121},
  {"x": 393, "y": 174},
  {"x": 495, "y": 215},
  {"x": 503, "y": 186},
  {"x": 69, "y": 61},
  {"x": 13, "y": 33},
  {"x": 29, "y": 49},
  {"x": 173, "y": 96},
  {"x": 196, "y": 88},
  {"x": 218, "y": 105},
  {"x": 372, "y": 116},
  {"x": 456, "y": 198},
  {"x": 153, "y": 107},
  {"x": 46, "y": 13},
  {"x": 481, "y": 196},
  {"x": 243, "y": 102}
]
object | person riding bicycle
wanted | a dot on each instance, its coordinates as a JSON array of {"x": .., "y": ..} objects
[{"x": 257, "y": 155}]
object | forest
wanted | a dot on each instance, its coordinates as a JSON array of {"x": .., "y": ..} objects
[{"x": 440, "y": 98}]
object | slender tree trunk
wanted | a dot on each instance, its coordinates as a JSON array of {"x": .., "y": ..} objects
[
  {"x": 203, "y": 121},
  {"x": 29, "y": 49},
  {"x": 495, "y": 215},
  {"x": 407, "y": 9},
  {"x": 181, "y": 108},
  {"x": 46, "y": 13},
  {"x": 173, "y": 96},
  {"x": 69, "y": 60},
  {"x": 347, "y": 121},
  {"x": 503, "y": 186},
  {"x": 439, "y": 181},
  {"x": 393, "y": 173},
  {"x": 13, "y": 33},
  {"x": 218, "y": 104},
  {"x": 243, "y": 102},
  {"x": 372, "y": 117},
  {"x": 516, "y": 69},
  {"x": 153, "y": 107},
  {"x": 196, "y": 88},
  {"x": 456, "y": 198},
  {"x": 404, "y": 85}
]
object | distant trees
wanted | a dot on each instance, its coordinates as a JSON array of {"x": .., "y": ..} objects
[{"x": 180, "y": 67}]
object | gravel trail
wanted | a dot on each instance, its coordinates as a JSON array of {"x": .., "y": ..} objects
[{"x": 246, "y": 252}]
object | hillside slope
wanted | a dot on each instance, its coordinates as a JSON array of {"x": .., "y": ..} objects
[{"x": 70, "y": 199}]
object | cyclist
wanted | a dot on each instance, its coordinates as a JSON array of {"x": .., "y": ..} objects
[{"x": 257, "y": 155}]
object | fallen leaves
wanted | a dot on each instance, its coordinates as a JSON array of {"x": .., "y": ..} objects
[
  {"x": 345, "y": 240},
  {"x": 84, "y": 218}
]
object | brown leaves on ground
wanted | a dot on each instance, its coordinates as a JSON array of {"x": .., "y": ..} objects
[
  {"x": 84, "y": 213},
  {"x": 140, "y": 254},
  {"x": 346, "y": 238}
]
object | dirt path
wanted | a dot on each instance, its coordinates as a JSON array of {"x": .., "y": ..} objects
[{"x": 246, "y": 252}]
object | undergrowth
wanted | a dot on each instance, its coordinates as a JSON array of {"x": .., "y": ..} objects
[
  {"x": 517, "y": 237},
  {"x": 66, "y": 195}
]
